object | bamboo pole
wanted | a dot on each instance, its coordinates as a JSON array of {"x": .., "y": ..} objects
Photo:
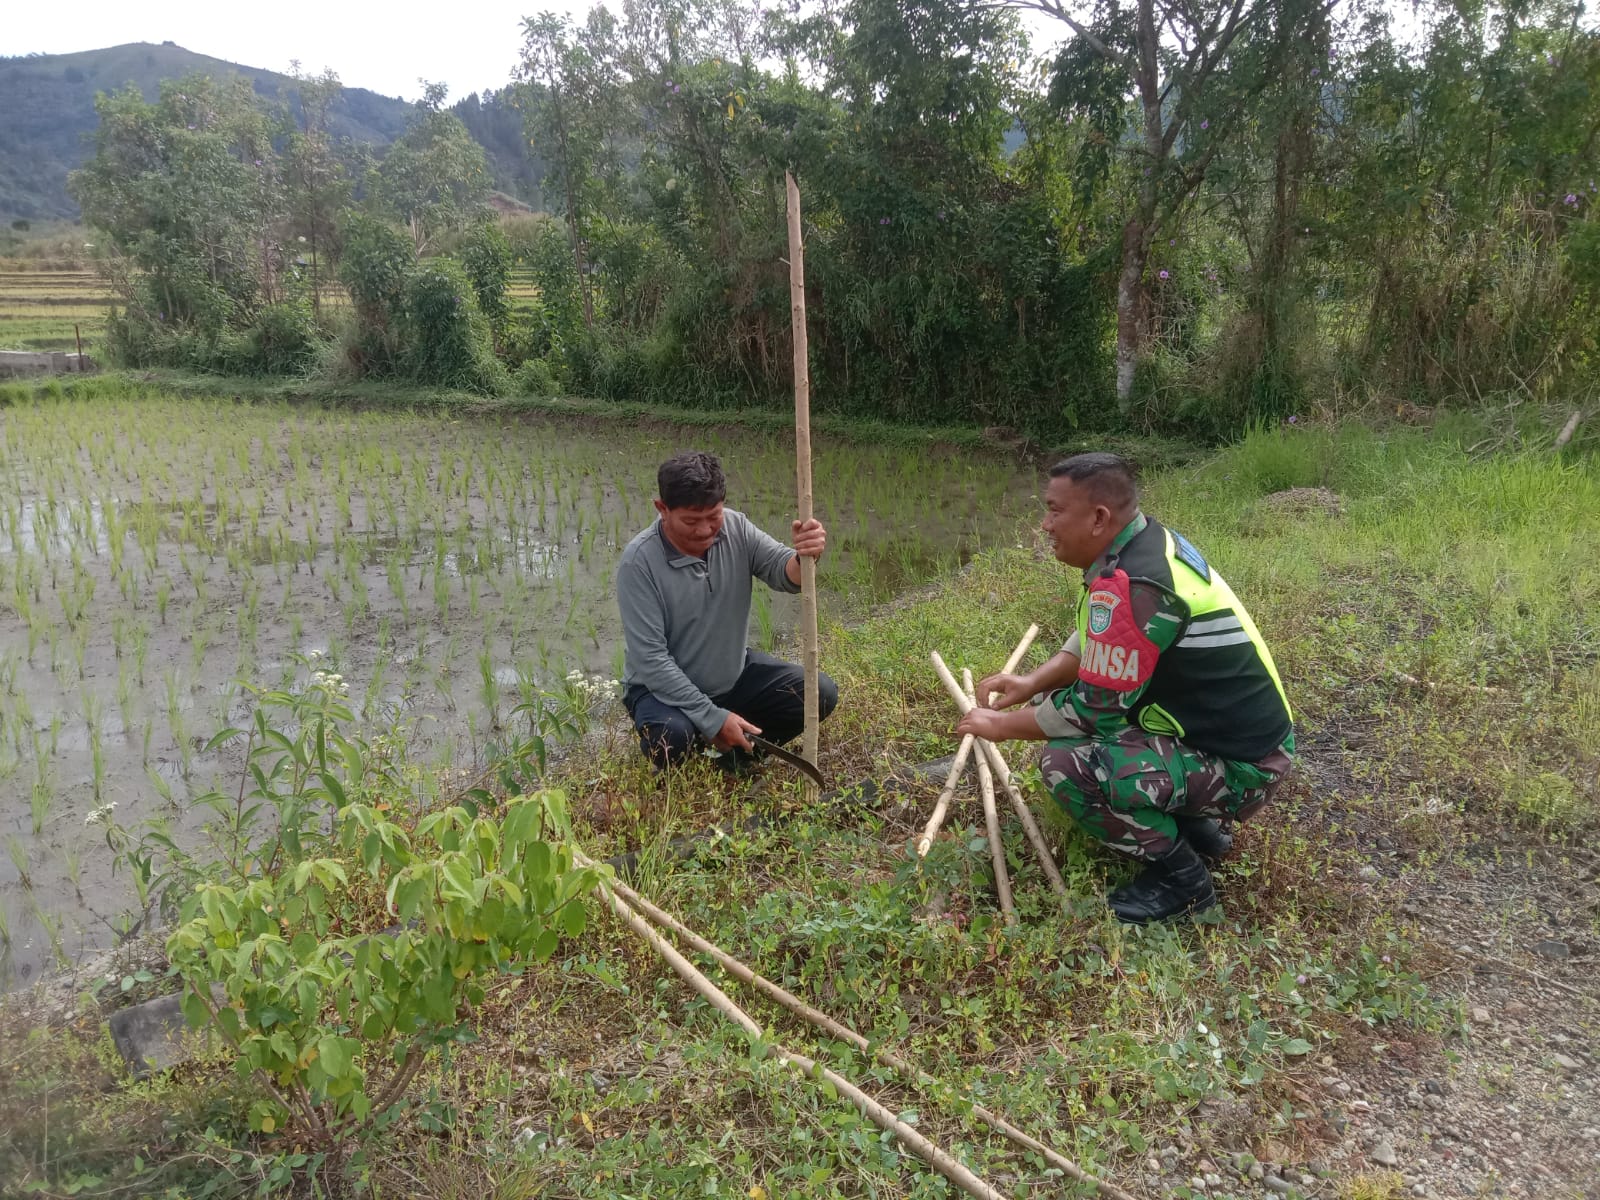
[
  {"x": 952, "y": 1169},
  {"x": 809, "y": 654},
  {"x": 925, "y": 842},
  {"x": 844, "y": 1033},
  {"x": 991, "y": 820},
  {"x": 1003, "y": 774},
  {"x": 963, "y": 752}
]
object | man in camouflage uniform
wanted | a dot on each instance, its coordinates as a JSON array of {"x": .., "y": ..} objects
[{"x": 1163, "y": 714}]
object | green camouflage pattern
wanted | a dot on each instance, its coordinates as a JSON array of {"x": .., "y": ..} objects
[{"x": 1124, "y": 791}]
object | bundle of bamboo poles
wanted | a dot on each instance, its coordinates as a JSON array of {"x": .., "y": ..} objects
[
  {"x": 991, "y": 768},
  {"x": 632, "y": 909}
]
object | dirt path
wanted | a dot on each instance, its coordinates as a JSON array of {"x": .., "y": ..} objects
[{"x": 1508, "y": 1105}]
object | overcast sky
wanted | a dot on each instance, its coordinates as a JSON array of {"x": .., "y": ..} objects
[{"x": 471, "y": 45}]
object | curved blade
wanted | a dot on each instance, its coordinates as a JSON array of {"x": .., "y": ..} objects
[{"x": 788, "y": 756}]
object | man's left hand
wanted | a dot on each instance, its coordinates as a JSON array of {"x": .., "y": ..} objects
[
  {"x": 810, "y": 538},
  {"x": 982, "y": 722}
]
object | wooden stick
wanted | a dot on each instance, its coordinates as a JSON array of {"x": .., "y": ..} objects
[
  {"x": 1003, "y": 774},
  {"x": 844, "y": 1033},
  {"x": 925, "y": 842},
  {"x": 1532, "y": 974},
  {"x": 950, "y": 1168},
  {"x": 963, "y": 752},
  {"x": 1025, "y": 814},
  {"x": 809, "y": 654},
  {"x": 991, "y": 820}
]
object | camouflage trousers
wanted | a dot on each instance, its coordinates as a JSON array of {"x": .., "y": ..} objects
[{"x": 1126, "y": 792}]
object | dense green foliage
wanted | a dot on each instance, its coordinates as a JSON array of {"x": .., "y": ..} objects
[
  {"x": 223, "y": 217},
  {"x": 341, "y": 937},
  {"x": 1297, "y": 205}
]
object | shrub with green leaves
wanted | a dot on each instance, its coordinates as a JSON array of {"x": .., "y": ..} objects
[
  {"x": 549, "y": 257},
  {"x": 376, "y": 260},
  {"x": 341, "y": 936},
  {"x": 486, "y": 257},
  {"x": 375, "y": 265},
  {"x": 446, "y": 337},
  {"x": 283, "y": 339},
  {"x": 535, "y": 378}
]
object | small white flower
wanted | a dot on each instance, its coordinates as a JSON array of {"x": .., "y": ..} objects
[
  {"x": 101, "y": 815},
  {"x": 330, "y": 681}
]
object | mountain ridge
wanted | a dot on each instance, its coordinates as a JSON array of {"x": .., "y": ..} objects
[{"x": 50, "y": 119}]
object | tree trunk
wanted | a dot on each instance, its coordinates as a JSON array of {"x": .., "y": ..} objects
[
  {"x": 1130, "y": 306},
  {"x": 1140, "y": 229},
  {"x": 574, "y": 232}
]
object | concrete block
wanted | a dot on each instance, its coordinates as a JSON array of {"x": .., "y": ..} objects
[{"x": 153, "y": 1036}]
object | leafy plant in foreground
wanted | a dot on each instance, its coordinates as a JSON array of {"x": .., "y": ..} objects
[{"x": 342, "y": 937}]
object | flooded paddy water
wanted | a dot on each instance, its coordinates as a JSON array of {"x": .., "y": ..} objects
[{"x": 158, "y": 554}]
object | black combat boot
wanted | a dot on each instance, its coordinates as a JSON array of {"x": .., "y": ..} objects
[
  {"x": 1175, "y": 884},
  {"x": 1207, "y": 835}
]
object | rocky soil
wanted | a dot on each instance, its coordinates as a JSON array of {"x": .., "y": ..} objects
[{"x": 1507, "y": 1106}]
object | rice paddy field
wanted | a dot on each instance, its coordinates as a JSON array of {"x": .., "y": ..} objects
[
  {"x": 160, "y": 556},
  {"x": 49, "y": 310}
]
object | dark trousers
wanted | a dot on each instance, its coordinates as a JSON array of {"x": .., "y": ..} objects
[{"x": 769, "y": 693}]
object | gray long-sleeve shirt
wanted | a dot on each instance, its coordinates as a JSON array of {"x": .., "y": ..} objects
[{"x": 686, "y": 620}]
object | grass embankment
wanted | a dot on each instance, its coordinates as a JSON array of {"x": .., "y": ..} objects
[
  {"x": 1152, "y": 452},
  {"x": 1435, "y": 633}
]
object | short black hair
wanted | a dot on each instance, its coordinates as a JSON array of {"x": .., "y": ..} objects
[
  {"x": 692, "y": 479},
  {"x": 1108, "y": 477}
]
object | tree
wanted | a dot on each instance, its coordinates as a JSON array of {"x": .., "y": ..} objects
[
  {"x": 187, "y": 190},
  {"x": 435, "y": 177},
  {"x": 317, "y": 183},
  {"x": 1192, "y": 74},
  {"x": 1260, "y": 181},
  {"x": 571, "y": 89},
  {"x": 1466, "y": 168}
]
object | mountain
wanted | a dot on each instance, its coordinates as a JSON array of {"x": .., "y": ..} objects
[{"x": 47, "y": 102}]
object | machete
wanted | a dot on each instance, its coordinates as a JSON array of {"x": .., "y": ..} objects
[{"x": 788, "y": 756}]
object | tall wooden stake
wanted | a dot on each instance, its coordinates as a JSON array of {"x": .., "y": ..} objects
[{"x": 802, "y": 463}]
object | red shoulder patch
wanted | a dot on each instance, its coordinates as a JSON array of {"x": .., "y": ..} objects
[{"x": 1116, "y": 653}]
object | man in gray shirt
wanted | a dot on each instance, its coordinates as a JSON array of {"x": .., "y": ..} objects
[{"x": 684, "y": 587}]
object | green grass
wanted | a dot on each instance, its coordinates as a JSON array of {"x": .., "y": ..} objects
[
  {"x": 602, "y": 1075},
  {"x": 1461, "y": 572}
]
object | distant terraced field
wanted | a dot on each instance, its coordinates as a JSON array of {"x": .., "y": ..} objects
[{"x": 39, "y": 309}]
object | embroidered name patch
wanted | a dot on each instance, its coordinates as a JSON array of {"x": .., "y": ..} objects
[
  {"x": 1102, "y": 607},
  {"x": 1111, "y": 666},
  {"x": 1189, "y": 556}
]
